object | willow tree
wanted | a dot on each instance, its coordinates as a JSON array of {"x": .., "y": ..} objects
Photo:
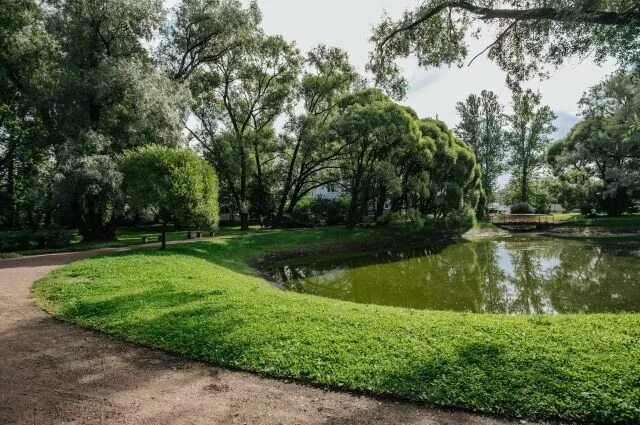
[
  {"x": 201, "y": 32},
  {"x": 455, "y": 178},
  {"x": 236, "y": 101},
  {"x": 110, "y": 98},
  {"x": 375, "y": 130},
  {"x": 308, "y": 151},
  {"x": 527, "y": 36}
]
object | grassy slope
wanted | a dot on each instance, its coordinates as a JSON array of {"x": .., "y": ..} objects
[{"x": 203, "y": 300}]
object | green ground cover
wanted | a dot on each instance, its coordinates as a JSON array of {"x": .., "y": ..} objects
[
  {"x": 204, "y": 301},
  {"x": 629, "y": 221}
]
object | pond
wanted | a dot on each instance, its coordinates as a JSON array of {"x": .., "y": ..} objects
[{"x": 522, "y": 274}]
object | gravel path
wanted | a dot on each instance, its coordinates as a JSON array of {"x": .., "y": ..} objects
[{"x": 56, "y": 373}]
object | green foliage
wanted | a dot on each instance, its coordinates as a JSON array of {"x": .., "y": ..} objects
[
  {"x": 481, "y": 126},
  {"x": 51, "y": 236},
  {"x": 110, "y": 97},
  {"x": 529, "y": 37},
  {"x": 209, "y": 305},
  {"x": 236, "y": 100},
  {"x": 600, "y": 158},
  {"x": 27, "y": 74},
  {"x": 530, "y": 126},
  {"x": 375, "y": 130},
  {"x": 200, "y": 32},
  {"x": 522, "y": 208},
  {"x": 176, "y": 183},
  {"x": 315, "y": 212},
  {"x": 309, "y": 153},
  {"x": 455, "y": 181}
]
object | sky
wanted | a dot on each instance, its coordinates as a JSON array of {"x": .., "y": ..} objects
[{"x": 433, "y": 92}]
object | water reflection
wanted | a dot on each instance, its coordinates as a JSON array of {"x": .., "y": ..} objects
[{"x": 518, "y": 275}]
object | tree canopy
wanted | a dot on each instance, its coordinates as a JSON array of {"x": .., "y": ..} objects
[
  {"x": 598, "y": 163},
  {"x": 175, "y": 184},
  {"x": 528, "y": 37}
]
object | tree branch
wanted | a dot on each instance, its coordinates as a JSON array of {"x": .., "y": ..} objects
[{"x": 626, "y": 18}]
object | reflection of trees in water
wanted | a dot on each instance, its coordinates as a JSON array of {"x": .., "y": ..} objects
[
  {"x": 607, "y": 279},
  {"x": 423, "y": 282},
  {"x": 515, "y": 276},
  {"x": 492, "y": 278},
  {"x": 529, "y": 295}
]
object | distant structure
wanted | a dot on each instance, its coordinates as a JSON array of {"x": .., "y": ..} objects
[{"x": 328, "y": 191}]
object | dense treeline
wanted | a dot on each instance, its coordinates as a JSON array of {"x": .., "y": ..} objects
[
  {"x": 83, "y": 82},
  {"x": 593, "y": 169},
  {"x": 598, "y": 163}
]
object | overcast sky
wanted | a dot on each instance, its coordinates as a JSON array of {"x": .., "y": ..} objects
[{"x": 347, "y": 24}]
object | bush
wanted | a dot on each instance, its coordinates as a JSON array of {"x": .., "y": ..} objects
[
  {"x": 460, "y": 220},
  {"x": 522, "y": 208},
  {"x": 52, "y": 236},
  {"x": 317, "y": 212}
]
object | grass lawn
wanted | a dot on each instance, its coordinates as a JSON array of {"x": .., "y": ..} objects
[
  {"x": 125, "y": 236},
  {"x": 204, "y": 301},
  {"x": 631, "y": 221}
]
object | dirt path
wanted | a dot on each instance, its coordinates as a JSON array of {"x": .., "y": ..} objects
[{"x": 57, "y": 373}]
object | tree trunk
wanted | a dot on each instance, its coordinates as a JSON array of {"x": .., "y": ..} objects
[
  {"x": 163, "y": 238},
  {"x": 352, "y": 219},
  {"x": 382, "y": 198},
  {"x": 244, "y": 221},
  {"x": 11, "y": 194},
  {"x": 524, "y": 190}
]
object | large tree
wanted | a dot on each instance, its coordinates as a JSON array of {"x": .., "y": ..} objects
[
  {"x": 482, "y": 122},
  {"x": 528, "y": 36},
  {"x": 530, "y": 126},
  {"x": 309, "y": 152},
  {"x": 236, "y": 101},
  {"x": 455, "y": 186},
  {"x": 603, "y": 150},
  {"x": 375, "y": 130},
  {"x": 110, "y": 98},
  {"x": 27, "y": 76}
]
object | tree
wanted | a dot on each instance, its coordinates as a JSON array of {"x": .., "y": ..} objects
[
  {"x": 27, "y": 76},
  {"x": 481, "y": 126},
  {"x": 236, "y": 101},
  {"x": 375, "y": 130},
  {"x": 530, "y": 125},
  {"x": 602, "y": 152},
  {"x": 110, "y": 98},
  {"x": 201, "y": 32},
  {"x": 308, "y": 151},
  {"x": 455, "y": 186},
  {"x": 528, "y": 35},
  {"x": 176, "y": 184}
]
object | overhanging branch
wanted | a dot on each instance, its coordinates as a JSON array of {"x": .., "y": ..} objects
[{"x": 630, "y": 17}]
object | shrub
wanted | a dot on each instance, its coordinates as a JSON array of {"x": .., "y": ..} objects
[
  {"x": 460, "y": 220},
  {"x": 522, "y": 208},
  {"x": 52, "y": 236},
  {"x": 317, "y": 212}
]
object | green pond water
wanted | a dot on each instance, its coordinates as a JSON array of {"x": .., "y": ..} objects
[{"x": 513, "y": 275}]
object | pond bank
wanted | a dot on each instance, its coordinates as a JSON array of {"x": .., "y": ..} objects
[{"x": 203, "y": 301}]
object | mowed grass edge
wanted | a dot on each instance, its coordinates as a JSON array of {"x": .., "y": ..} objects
[{"x": 204, "y": 301}]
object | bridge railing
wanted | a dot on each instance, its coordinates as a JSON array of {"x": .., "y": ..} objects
[{"x": 523, "y": 219}]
